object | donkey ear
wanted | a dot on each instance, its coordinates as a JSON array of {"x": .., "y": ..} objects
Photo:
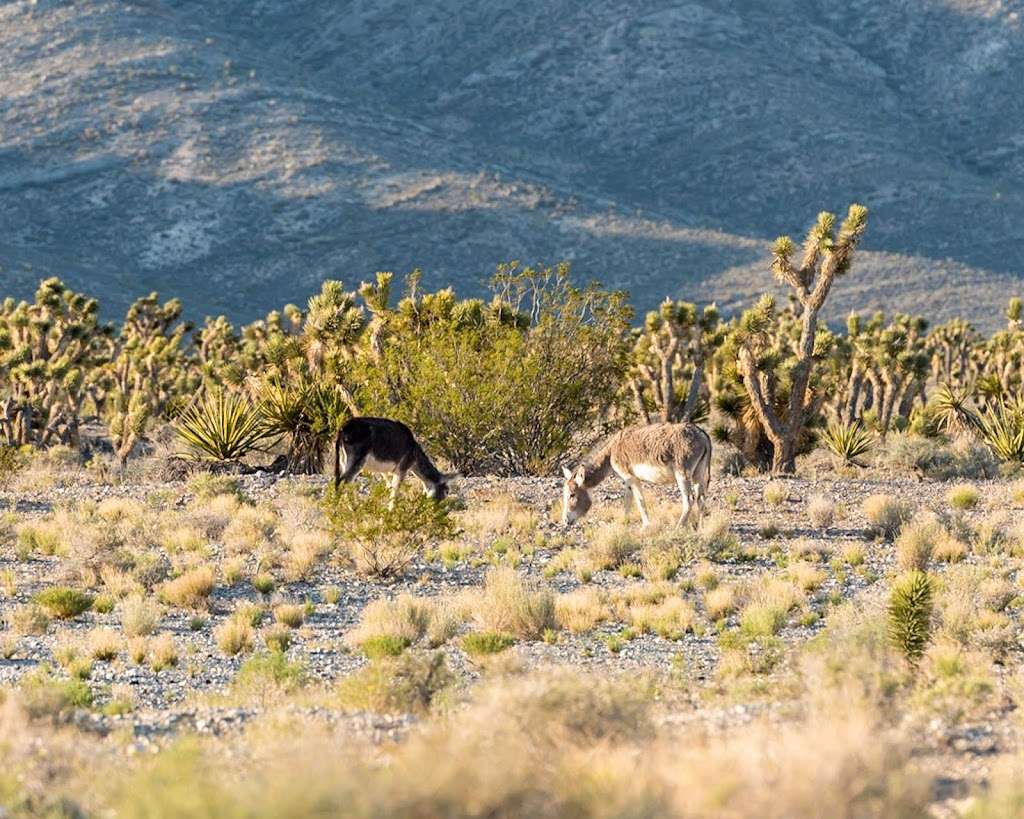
[{"x": 567, "y": 473}]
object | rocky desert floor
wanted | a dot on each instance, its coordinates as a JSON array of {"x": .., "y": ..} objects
[{"x": 721, "y": 626}]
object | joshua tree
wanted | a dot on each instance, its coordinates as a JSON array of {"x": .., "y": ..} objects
[
  {"x": 147, "y": 371},
  {"x": 672, "y": 349},
  {"x": 825, "y": 256},
  {"x": 48, "y": 351}
]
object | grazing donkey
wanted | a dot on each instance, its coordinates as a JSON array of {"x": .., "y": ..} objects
[
  {"x": 386, "y": 446},
  {"x": 657, "y": 453}
]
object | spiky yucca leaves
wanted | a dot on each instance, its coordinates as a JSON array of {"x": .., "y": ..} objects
[
  {"x": 954, "y": 409},
  {"x": 49, "y": 350},
  {"x": 910, "y": 613},
  {"x": 223, "y": 426},
  {"x": 1002, "y": 429},
  {"x": 309, "y": 414},
  {"x": 848, "y": 442}
]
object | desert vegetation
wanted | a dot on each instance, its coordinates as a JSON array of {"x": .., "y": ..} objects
[{"x": 192, "y": 617}]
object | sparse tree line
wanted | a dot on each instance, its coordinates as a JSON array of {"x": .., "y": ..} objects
[{"x": 515, "y": 383}]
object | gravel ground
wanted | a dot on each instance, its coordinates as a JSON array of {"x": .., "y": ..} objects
[{"x": 185, "y": 697}]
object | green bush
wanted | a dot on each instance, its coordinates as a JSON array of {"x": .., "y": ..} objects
[
  {"x": 45, "y": 696},
  {"x": 505, "y": 387},
  {"x": 482, "y": 643},
  {"x": 264, "y": 675},
  {"x": 383, "y": 538},
  {"x": 406, "y": 684},
  {"x": 62, "y": 602}
]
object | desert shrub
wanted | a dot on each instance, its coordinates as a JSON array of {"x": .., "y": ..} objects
[
  {"x": 38, "y": 537},
  {"x": 579, "y": 611},
  {"x": 62, "y": 602},
  {"x": 963, "y": 458},
  {"x": 613, "y": 545},
  {"x": 1001, "y": 427},
  {"x": 512, "y": 605},
  {"x": 189, "y": 590},
  {"x": 769, "y": 606},
  {"x": 503, "y": 387},
  {"x": 821, "y": 511},
  {"x": 910, "y": 613},
  {"x": 720, "y": 601},
  {"x": 207, "y": 485},
  {"x": 28, "y": 619},
  {"x": 163, "y": 652},
  {"x": 885, "y": 514},
  {"x": 268, "y": 674},
  {"x": 775, "y": 493},
  {"x": 403, "y": 619},
  {"x": 916, "y": 543},
  {"x": 409, "y": 683},
  {"x": 804, "y": 575},
  {"x": 963, "y": 496},
  {"x": 223, "y": 426},
  {"x": 484, "y": 643},
  {"x": 671, "y": 618},
  {"x": 139, "y": 615},
  {"x": 383, "y": 538},
  {"x": 235, "y": 633},
  {"x": 43, "y": 696}
]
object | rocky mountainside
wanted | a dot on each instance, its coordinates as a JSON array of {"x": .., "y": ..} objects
[{"x": 236, "y": 153}]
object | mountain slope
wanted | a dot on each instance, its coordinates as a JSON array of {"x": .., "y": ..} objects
[{"x": 237, "y": 153}]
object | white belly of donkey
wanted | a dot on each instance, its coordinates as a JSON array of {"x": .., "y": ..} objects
[
  {"x": 654, "y": 473},
  {"x": 373, "y": 465}
]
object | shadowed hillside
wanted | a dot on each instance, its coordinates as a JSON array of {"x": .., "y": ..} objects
[{"x": 236, "y": 155}]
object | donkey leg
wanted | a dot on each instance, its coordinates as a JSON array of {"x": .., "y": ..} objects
[
  {"x": 355, "y": 457},
  {"x": 685, "y": 496},
  {"x": 396, "y": 483},
  {"x": 638, "y": 498}
]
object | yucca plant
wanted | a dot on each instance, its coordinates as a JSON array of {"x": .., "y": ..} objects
[
  {"x": 223, "y": 426},
  {"x": 910, "y": 613},
  {"x": 847, "y": 441},
  {"x": 1001, "y": 427},
  {"x": 953, "y": 409}
]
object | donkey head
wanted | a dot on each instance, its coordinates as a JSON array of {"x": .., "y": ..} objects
[
  {"x": 439, "y": 489},
  {"x": 575, "y": 497}
]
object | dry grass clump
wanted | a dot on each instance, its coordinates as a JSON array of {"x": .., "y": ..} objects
[
  {"x": 885, "y": 514},
  {"x": 139, "y": 616},
  {"x": 821, "y": 511},
  {"x": 503, "y": 515},
  {"x": 211, "y": 516},
  {"x": 771, "y": 601},
  {"x": 513, "y": 605},
  {"x": 104, "y": 644},
  {"x": 42, "y": 537},
  {"x": 720, "y": 602},
  {"x": 775, "y": 493},
  {"x": 806, "y": 549},
  {"x": 963, "y": 496},
  {"x": 705, "y": 576},
  {"x": 179, "y": 538},
  {"x": 118, "y": 582},
  {"x": 581, "y": 610},
  {"x": 162, "y": 652},
  {"x": 304, "y": 551},
  {"x": 28, "y": 620},
  {"x": 235, "y": 633},
  {"x": 292, "y": 615},
  {"x": 671, "y": 618},
  {"x": 805, "y": 576},
  {"x": 190, "y": 590},
  {"x": 252, "y": 528},
  {"x": 853, "y": 554},
  {"x": 916, "y": 543},
  {"x": 389, "y": 625},
  {"x": 612, "y": 545},
  {"x": 409, "y": 683}
]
